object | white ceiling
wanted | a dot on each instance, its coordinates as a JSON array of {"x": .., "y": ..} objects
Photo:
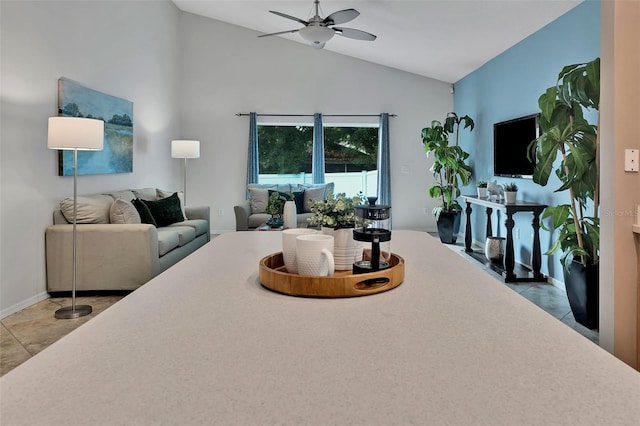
[{"x": 441, "y": 39}]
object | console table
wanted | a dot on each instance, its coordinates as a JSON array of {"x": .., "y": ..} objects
[{"x": 510, "y": 209}]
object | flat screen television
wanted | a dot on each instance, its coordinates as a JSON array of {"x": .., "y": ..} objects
[{"x": 510, "y": 143}]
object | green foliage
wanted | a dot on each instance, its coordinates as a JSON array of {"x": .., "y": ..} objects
[
  {"x": 568, "y": 136},
  {"x": 449, "y": 168},
  {"x": 481, "y": 184},
  {"x": 337, "y": 211},
  {"x": 289, "y": 149},
  {"x": 275, "y": 205},
  {"x": 511, "y": 187}
]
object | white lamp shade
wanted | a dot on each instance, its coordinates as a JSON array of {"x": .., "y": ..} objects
[
  {"x": 75, "y": 133},
  {"x": 316, "y": 34},
  {"x": 185, "y": 149}
]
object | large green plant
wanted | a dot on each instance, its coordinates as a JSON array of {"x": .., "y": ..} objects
[
  {"x": 569, "y": 136},
  {"x": 449, "y": 168}
]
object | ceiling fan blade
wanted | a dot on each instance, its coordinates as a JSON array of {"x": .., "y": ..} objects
[
  {"x": 284, "y": 15},
  {"x": 355, "y": 34},
  {"x": 341, "y": 16},
  {"x": 278, "y": 33}
]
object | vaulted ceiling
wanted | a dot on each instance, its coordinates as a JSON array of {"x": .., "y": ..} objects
[{"x": 441, "y": 39}]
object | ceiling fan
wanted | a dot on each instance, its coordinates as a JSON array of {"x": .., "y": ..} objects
[{"x": 319, "y": 30}]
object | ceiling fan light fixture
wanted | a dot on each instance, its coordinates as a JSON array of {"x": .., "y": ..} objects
[{"x": 316, "y": 34}]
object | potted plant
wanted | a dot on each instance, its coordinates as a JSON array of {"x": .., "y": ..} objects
[
  {"x": 337, "y": 217},
  {"x": 510, "y": 192},
  {"x": 568, "y": 135},
  {"x": 481, "y": 185},
  {"x": 449, "y": 170},
  {"x": 275, "y": 207}
]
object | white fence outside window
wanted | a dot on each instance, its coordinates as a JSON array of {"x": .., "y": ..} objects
[{"x": 349, "y": 183}]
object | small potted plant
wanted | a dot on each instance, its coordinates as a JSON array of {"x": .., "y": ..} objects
[
  {"x": 275, "y": 207},
  {"x": 510, "y": 192},
  {"x": 482, "y": 188}
]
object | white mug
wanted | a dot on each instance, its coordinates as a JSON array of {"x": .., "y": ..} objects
[
  {"x": 314, "y": 255},
  {"x": 289, "y": 246}
]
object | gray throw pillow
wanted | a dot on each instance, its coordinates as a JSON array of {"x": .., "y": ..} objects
[
  {"x": 312, "y": 194},
  {"x": 91, "y": 209},
  {"x": 123, "y": 212},
  {"x": 258, "y": 199}
]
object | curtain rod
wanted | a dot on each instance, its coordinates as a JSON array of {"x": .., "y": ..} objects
[{"x": 242, "y": 114}]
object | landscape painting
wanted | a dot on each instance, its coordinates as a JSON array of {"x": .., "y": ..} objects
[{"x": 75, "y": 100}]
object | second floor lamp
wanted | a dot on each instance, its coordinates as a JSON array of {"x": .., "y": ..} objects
[{"x": 185, "y": 149}]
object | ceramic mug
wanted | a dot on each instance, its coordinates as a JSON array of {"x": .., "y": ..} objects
[
  {"x": 314, "y": 255},
  {"x": 289, "y": 247}
]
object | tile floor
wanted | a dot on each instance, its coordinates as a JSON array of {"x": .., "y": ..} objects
[
  {"x": 550, "y": 298},
  {"x": 29, "y": 331}
]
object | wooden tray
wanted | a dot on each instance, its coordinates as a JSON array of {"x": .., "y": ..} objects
[{"x": 274, "y": 276}]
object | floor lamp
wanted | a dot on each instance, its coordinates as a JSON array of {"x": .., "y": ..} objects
[
  {"x": 185, "y": 149},
  {"x": 74, "y": 133}
]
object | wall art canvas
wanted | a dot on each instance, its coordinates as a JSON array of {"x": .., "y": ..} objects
[{"x": 75, "y": 100}]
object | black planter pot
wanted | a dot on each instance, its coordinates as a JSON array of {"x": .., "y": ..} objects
[
  {"x": 449, "y": 226},
  {"x": 582, "y": 284}
]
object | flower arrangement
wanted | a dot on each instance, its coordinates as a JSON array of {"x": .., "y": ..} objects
[{"x": 337, "y": 211}]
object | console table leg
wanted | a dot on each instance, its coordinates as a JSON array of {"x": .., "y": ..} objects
[
  {"x": 509, "y": 259},
  {"x": 489, "y": 227},
  {"x": 467, "y": 231},
  {"x": 536, "y": 260}
]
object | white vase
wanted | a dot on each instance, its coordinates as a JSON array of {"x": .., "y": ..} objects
[
  {"x": 289, "y": 215},
  {"x": 482, "y": 192},
  {"x": 346, "y": 250},
  {"x": 510, "y": 196}
]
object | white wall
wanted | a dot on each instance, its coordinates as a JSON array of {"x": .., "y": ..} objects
[
  {"x": 125, "y": 49},
  {"x": 226, "y": 69}
]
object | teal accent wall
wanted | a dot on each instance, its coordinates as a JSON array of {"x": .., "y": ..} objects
[{"x": 507, "y": 87}]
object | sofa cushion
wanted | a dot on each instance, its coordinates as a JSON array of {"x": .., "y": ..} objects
[
  {"x": 166, "y": 194},
  {"x": 147, "y": 194},
  {"x": 298, "y": 198},
  {"x": 126, "y": 194},
  {"x": 312, "y": 194},
  {"x": 123, "y": 212},
  {"x": 186, "y": 234},
  {"x": 168, "y": 239},
  {"x": 258, "y": 200},
  {"x": 144, "y": 212},
  {"x": 200, "y": 226},
  {"x": 91, "y": 208},
  {"x": 166, "y": 211},
  {"x": 258, "y": 219}
]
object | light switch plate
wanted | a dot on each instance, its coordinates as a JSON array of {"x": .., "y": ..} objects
[{"x": 631, "y": 159}]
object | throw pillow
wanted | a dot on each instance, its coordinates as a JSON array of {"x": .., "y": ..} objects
[
  {"x": 258, "y": 199},
  {"x": 166, "y": 211},
  {"x": 91, "y": 209},
  {"x": 147, "y": 194},
  {"x": 144, "y": 212},
  {"x": 298, "y": 198},
  {"x": 165, "y": 194},
  {"x": 123, "y": 212},
  {"x": 312, "y": 194}
]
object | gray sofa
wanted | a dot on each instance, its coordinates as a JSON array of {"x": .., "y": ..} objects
[
  {"x": 113, "y": 255},
  {"x": 251, "y": 214}
]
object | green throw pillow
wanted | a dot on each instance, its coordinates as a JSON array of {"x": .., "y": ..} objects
[
  {"x": 144, "y": 212},
  {"x": 166, "y": 211},
  {"x": 298, "y": 198}
]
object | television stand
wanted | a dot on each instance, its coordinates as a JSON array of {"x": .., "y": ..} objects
[{"x": 510, "y": 210}]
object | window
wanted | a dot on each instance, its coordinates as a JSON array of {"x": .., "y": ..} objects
[{"x": 285, "y": 155}]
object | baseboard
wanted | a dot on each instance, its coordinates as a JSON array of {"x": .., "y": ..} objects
[{"x": 24, "y": 304}]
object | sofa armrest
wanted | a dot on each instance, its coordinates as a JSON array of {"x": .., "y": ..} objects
[
  {"x": 119, "y": 257},
  {"x": 242, "y": 211},
  {"x": 198, "y": 212}
]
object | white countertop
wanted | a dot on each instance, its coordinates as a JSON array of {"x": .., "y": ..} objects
[{"x": 204, "y": 343}]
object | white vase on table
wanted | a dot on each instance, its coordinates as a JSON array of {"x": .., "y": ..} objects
[
  {"x": 289, "y": 215},
  {"x": 346, "y": 250}
]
